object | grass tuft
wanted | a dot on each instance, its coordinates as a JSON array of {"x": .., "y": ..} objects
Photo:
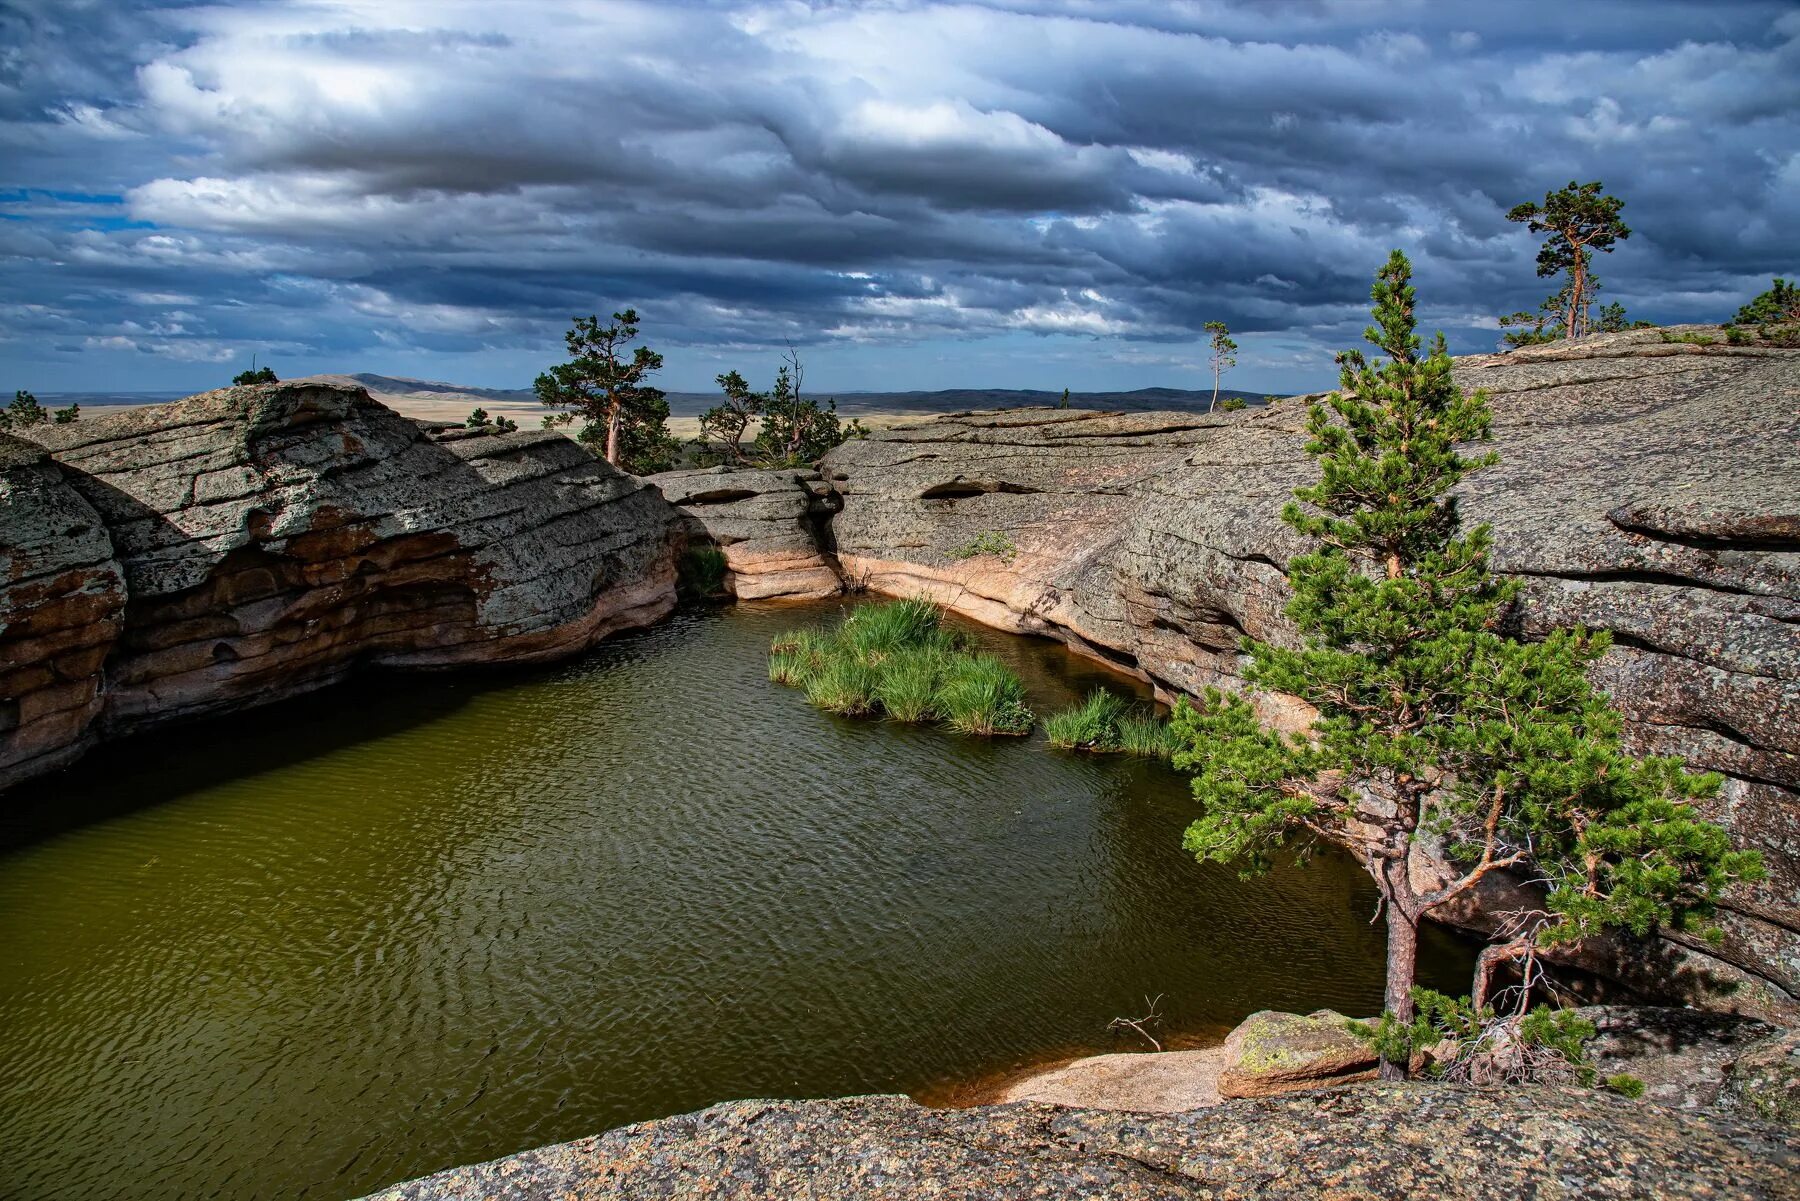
[
  {"x": 910, "y": 680},
  {"x": 845, "y": 686},
  {"x": 898, "y": 659},
  {"x": 1093, "y": 725},
  {"x": 1146, "y": 736},
  {"x": 701, "y": 572},
  {"x": 981, "y": 695},
  {"x": 1106, "y": 723}
]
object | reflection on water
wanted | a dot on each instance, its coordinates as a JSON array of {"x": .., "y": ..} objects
[{"x": 425, "y": 921}]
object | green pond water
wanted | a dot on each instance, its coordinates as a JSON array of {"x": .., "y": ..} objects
[{"x": 420, "y": 921}]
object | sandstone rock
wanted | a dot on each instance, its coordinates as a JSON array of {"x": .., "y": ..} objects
[
  {"x": 1272, "y": 1052},
  {"x": 770, "y": 524},
  {"x": 1764, "y": 1081},
  {"x": 271, "y": 539},
  {"x": 1683, "y": 1056},
  {"x": 1366, "y": 1142},
  {"x": 1648, "y": 489},
  {"x": 62, "y": 606},
  {"x": 1147, "y": 1082}
]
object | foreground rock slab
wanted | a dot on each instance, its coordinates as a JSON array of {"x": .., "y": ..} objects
[
  {"x": 1366, "y": 1141},
  {"x": 1144, "y": 1082}
]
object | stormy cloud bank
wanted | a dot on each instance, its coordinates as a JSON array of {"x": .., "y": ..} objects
[{"x": 1028, "y": 194}]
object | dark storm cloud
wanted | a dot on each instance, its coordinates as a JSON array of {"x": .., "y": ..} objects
[{"x": 342, "y": 176}]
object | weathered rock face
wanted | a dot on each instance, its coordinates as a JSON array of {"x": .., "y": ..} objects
[
  {"x": 1764, "y": 1081},
  {"x": 770, "y": 524},
  {"x": 1272, "y": 1052},
  {"x": 248, "y": 544},
  {"x": 1367, "y": 1141},
  {"x": 1683, "y": 1056},
  {"x": 62, "y": 606},
  {"x": 1645, "y": 488}
]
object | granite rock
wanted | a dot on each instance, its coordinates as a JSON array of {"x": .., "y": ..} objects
[
  {"x": 1362, "y": 1142},
  {"x": 771, "y": 525},
  {"x": 1272, "y": 1052},
  {"x": 1764, "y": 1081}
]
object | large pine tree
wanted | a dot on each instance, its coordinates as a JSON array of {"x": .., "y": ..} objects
[{"x": 1440, "y": 738}]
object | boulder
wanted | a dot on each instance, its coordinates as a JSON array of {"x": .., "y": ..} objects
[
  {"x": 1764, "y": 1081},
  {"x": 1272, "y": 1052},
  {"x": 770, "y": 524},
  {"x": 248, "y": 544},
  {"x": 1683, "y": 1056},
  {"x": 1375, "y": 1141},
  {"x": 1644, "y": 488}
]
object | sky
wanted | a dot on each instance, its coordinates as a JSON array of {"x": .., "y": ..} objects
[{"x": 1021, "y": 193}]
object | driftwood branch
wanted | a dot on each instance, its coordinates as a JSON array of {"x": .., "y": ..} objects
[{"x": 1153, "y": 1015}]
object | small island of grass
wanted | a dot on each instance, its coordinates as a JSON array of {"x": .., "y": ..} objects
[{"x": 898, "y": 659}]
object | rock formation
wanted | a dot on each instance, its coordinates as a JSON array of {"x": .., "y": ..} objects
[
  {"x": 62, "y": 606},
  {"x": 248, "y": 544},
  {"x": 1645, "y": 488},
  {"x": 1362, "y": 1141},
  {"x": 770, "y": 524}
]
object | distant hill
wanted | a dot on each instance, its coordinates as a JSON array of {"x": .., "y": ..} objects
[
  {"x": 438, "y": 397},
  {"x": 962, "y": 400}
]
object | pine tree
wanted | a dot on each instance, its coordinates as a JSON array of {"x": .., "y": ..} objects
[
  {"x": 608, "y": 391},
  {"x": 1780, "y": 303},
  {"x": 1580, "y": 220},
  {"x": 1224, "y": 355},
  {"x": 728, "y": 419},
  {"x": 25, "y": 411},
  {"x": 1438, "y": 734}
]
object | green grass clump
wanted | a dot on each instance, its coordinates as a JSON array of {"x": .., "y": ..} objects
[
  {"x": 1146, "y": 736},
  {"x": 1093, "y": 725},
  {"x": 910, "y": 680},
  {"x": 898, "y": 659},
  {"x": 844, "y": 685},
  {"x": 796, "y": 656},
  {"x": 981, "y": 695},
  {"x": 1106, "y": 723},
  {"x": 1691, "y": 337},
  {"x": 876, "y": 630}
]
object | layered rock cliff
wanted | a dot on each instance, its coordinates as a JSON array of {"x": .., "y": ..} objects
[
  {"x": 1645, "y": 488},
  {"x": 1364, "y": 1141},
  {"x": 244, "y": 545},
  {"x": 771, "y": 525}
]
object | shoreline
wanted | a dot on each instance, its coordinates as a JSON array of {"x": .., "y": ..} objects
[{"x": 1183, "y": 1075}]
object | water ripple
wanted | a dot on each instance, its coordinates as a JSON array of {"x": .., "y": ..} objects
[{"x": 427, "y": 921}]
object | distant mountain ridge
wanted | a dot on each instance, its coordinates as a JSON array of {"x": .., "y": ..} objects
[{"x": 393, "y": 390}]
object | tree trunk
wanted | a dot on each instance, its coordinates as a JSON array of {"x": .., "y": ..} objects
[
  {"x": 1577, "y": 277},
  {"x": 1215, "y": 399},
  {"x": 1492, "y": 957},
  {"x": 1402, "y": 965},
  {"x": 1402, "y": 950},
  {"x": 613, "y": 423}
]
